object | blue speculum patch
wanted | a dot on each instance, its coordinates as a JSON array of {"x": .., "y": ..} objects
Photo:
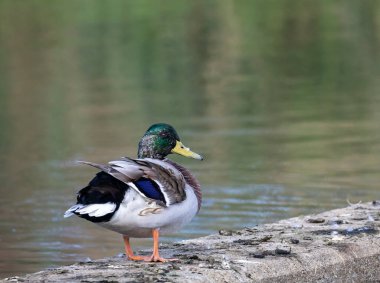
[{"x": 150, "y": 188}]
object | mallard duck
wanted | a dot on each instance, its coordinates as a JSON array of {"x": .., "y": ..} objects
[{"x": 142, "y": 197}]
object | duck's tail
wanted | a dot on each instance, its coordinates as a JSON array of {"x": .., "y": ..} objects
[{"x": 91, "y": 210}]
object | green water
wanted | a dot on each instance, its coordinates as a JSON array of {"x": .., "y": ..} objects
[{"x": 282, "y": 98}]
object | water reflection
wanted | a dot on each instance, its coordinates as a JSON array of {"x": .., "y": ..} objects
[{"x": 280, "y": 97}]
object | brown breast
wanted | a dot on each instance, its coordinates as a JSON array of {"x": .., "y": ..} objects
[{"x": 190, "y": 179}]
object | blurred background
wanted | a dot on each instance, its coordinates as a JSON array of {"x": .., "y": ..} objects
[{"x": 281, "y": 97}]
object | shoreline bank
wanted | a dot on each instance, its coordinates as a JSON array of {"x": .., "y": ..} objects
[{"x": 337, "y": 245}]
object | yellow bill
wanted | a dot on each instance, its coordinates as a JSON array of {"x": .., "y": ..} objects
[{"x": 185, "y": 151}]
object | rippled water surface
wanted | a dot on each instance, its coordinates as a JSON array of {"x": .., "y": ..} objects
[{"x": 281, "y": 97}]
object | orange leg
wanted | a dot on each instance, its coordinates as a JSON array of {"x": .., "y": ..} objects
[
  {"x": 155, "y": 256},
  {"x": 129, "y": 251}
]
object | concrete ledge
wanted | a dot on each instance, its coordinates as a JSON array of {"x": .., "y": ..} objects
[{"x": 341, "y": 245}]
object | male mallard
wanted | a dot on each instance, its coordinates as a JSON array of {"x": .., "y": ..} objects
[{"x": 145, "y": 196}]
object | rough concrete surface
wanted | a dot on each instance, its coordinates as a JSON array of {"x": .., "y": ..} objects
[{"x": 341, "y": 245}]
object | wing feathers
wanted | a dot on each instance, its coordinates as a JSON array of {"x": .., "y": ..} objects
[
  {"x": 104, "y": 168},
  {"x": 131, "y": 171},
  {"x": 169, "y": 180}
]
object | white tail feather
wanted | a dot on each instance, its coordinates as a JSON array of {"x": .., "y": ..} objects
[
  {"x": 71, "y": 210},
  {"x": 98, "y": 210},
  {"x": 93, "y": 210}
]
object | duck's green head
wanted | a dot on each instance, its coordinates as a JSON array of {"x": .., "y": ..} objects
[{"x": 160, "y": 140}]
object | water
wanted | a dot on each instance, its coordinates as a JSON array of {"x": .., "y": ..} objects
[{"x": 282, "y": 99}]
